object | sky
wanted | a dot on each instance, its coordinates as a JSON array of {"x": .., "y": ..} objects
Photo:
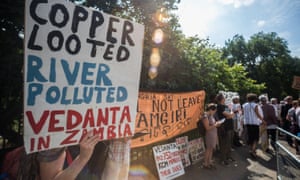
[{"x": 220, "y": 20}]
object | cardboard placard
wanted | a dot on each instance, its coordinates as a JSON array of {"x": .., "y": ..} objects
[{"x": 82, "y": 71}]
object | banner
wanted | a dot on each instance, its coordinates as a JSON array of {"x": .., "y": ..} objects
[
  {"x": 296, "y": 82},
  {"x": 168, "y": 161},
  {"x": 182, "y": 145},
  {"x": 196, "y": 150},
  {"x": 82, "y": 71},
  {"x": 162, "y": 116}
]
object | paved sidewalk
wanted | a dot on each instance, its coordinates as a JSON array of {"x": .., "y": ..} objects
[{"x": 263, "y": 168}]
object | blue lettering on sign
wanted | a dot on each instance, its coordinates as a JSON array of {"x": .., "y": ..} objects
[
  {"x": 52, "y": 95},
  {"x": 34, "y": 89},
  {"x": 95, "y": 84},
  {"x": 70, "y": 76},
  {"x": 33, "y": 69},
  {"x": 89, "y": 70},
  {"x": 86, "y": 73}
]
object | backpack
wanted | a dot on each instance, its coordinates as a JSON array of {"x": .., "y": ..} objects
[{"x": 201, "y": 127}]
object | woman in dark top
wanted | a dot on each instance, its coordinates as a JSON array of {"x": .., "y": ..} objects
[{"x": 225, "y": 131}]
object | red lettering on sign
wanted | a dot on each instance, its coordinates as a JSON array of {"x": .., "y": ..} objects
[
  {"x": 36, "y": 127},
  {"x": 70, "y": 139},
  {"x": 89, "y": 119},
  {"x": 73, "y": 115},
  {"x": 53, "y": 121}
]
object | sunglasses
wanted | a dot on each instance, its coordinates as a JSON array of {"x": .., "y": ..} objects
[{"x": 212, "y": 108}]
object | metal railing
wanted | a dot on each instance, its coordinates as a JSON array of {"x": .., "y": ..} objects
[{"x": 288, "y": 164}]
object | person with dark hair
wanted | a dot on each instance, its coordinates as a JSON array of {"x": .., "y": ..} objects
[
  {"x": 225, "y": 131},
  {"x": 211, "y": 134},
  {"x": 292, "y": 118},
  {"x": 286, "y": 124},
  {"x": 297, "y": 128},
  {"x": 270, "y": 117},
  {"x": 252, "y": 120}
]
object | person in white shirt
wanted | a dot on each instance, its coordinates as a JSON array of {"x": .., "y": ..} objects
[
  {"x": 274, "y": 103},
  {"x": 237, "y": 125},
  {"x": 252, "y": 120}
]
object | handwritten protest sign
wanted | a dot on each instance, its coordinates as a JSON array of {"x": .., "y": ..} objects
[
  {"x": 82, "y": 70},
  {"x": 296, "y": 82},
  {"x": 182, "y": 145},
  {"x": 168, "y": 161},
  {"x": 164, "y": 115},
  {"x": 196, "y": 150},
  {"x": 228, "y": 95}
]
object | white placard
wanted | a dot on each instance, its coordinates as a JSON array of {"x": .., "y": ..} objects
[
  {"x": 168, "y": 161},
  {"x": 182, "y": 145},
  {"x": 196, "y": 150},
  {"x": 82, "y": 72}
]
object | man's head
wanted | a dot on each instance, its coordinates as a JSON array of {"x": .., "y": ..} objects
[
  {"x": 289, "y": 99},
  {"x": 295, "y": 103},
  {"x": 220, "y": 99},
  {"x": 263, "y": 99},
  {"x": 235, "y": 99},
  {"x": 274, "y": 101},
  {"x": 251, "y": 97},
  {"x": 211, "y": 106}
]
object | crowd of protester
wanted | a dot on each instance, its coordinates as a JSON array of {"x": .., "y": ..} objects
[
  {"x": 228, "y": 126},
  {"x": 253, "y": 123}
]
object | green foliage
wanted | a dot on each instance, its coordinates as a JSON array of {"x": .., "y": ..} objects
[
  {"x": 267, "y": 60},
  {"x": 239, "y": 82},
  {"x": 262, "y": 64},
  {"x": 236, "y": 51},
  {"x": 11, "y": 62},
  {"x": 211, "y": 72}
]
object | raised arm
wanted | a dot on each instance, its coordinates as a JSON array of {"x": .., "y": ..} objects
[{"x": 54, "y": 169}]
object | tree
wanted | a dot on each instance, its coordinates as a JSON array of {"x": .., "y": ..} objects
[
  {"x": 11, "y": 44},
  {"x": 211, "y": 72},
  {"x": 272, "y": 56},
  {"x": 12, "y": 29},
  {"x": 187, "y": 64},
  {"x": 236, "y": 51},
  {"x": 267, "y": 60}
]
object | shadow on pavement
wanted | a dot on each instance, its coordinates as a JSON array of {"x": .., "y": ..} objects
[{"x": 244, "y": 167}]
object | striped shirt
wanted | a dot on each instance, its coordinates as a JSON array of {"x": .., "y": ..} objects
[
  {"x": 119, "y": 150},
  {"x": 250, "y": 117}
]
